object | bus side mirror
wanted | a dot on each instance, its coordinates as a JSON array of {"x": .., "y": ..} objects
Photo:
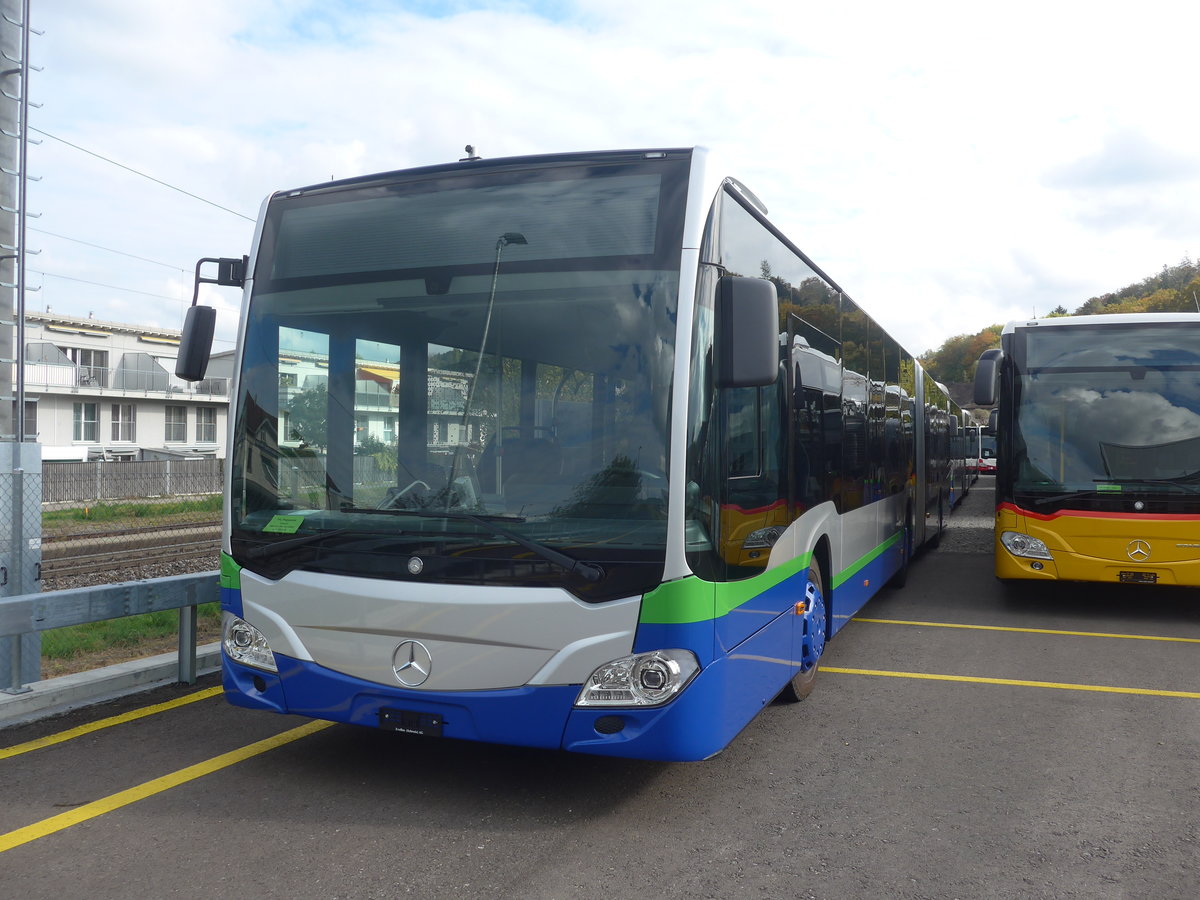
[
  {"x": 993, "y": 421},
  {"x": 747, "y": 318},
  {"x": 987, "y": 377},
  {"x": 195, "y": 344}
]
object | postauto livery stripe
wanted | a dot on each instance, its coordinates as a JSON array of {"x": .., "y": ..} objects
[
  {"x": 1091, "y": 514},
  {"x": 150, "y": 788},
  {"x": 131, "y": 716}
]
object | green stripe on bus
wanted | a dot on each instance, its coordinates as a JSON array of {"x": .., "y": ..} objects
[
  {"x": 863, "y": 561},
  {"x": 692, "y": 599},
  {"x": 231, "y": 573}
]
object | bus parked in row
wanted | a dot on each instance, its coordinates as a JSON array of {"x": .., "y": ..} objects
[
  {"x": 980, "y": 450},
  {"x": 1098, "y": 448},
  {"x": 574, "y": 451}
]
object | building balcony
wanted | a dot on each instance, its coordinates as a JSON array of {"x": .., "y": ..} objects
[{"x": 118, "y": 382}]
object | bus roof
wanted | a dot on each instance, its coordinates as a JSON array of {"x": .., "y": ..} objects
[{"x": 1108, "y": 319}]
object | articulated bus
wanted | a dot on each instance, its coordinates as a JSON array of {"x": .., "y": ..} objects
[
  {"x": 573, "y": 451},
  {"x": 960, "y": 473},
  {"x": 1098, "y": 448}
]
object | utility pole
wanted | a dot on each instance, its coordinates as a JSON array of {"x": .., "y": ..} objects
[{"x": 20, "y": 461}]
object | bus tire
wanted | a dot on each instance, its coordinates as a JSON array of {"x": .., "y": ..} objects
[{"x": 801, "y": 684}]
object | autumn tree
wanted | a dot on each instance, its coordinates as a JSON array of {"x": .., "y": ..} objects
[{"x": 955, "y": 360}]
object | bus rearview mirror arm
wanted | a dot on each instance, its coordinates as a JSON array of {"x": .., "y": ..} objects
[{"x": 195, "y": 344}]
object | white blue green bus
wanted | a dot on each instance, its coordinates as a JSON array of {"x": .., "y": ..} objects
[{"x": 573, "y": 451}]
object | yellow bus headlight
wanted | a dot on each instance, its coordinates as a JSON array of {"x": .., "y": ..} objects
[{"x": 1023, "y": 545}]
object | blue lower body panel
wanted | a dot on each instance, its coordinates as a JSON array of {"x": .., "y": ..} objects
[
  {"x": 853, "y": 593},
  {"x": 528, "y": 716},
  {"x": 718, "y": 703}
]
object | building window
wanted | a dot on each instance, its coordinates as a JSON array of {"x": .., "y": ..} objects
[
  {"x": 92, "y": 365},
  {"x": 31, "y": 429},
  {"x": 87, "y": 422},
  {"x": 206, "y": 425},
  {"x": 176, "y": 424},
  {"x": 124, "y": 422}
]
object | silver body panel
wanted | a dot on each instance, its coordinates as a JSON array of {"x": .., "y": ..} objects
[{"x": 479, "y": 637}]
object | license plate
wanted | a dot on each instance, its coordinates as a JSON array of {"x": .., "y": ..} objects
[
  {"x": 1139, "y": 577},
  {"x": 408, "y": 722}
]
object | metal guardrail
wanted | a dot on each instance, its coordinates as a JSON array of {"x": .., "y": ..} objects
[{"x": 28, "y": 613}]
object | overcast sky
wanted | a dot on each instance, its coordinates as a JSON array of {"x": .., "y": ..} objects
[{"x": 951, "y": 165}]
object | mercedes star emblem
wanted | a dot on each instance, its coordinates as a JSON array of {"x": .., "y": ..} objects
[
  {"x": 412, "y": 663},
  {"x": 1138, "y": 551}
]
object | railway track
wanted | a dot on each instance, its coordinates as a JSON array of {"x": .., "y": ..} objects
[{"x": 126, "y": 554}]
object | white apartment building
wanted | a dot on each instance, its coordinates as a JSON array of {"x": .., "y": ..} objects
[{"x": 106, "y": 390}]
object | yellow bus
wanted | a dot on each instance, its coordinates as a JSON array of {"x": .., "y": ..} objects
[{"x": 1098, "y": 448}]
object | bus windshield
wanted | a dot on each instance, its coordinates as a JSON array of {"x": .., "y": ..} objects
[
  {"x": 463, "y": 377},
  {"x": 1099, "y": 409}
]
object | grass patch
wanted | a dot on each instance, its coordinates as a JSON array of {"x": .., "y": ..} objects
[
  {"x": 113, "y": 512},
  {"x": 129, "y": 631}
]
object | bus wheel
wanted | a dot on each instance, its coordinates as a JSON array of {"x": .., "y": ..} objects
[{"x": 812, "y": 643}]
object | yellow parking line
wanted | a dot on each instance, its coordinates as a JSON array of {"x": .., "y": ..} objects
[
  {"x": 1103, "y": 634},
  {"x": 1058, "y": 686},
  {"x": 133, "y": 715},
  {"x": 150, "y": 788}
]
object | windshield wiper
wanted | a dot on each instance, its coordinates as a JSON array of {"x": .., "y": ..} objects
[
  {"x": 585, "y": 570},
  {"x": 1099, "y": 492},
  {"x": 1069, "y": 495},
  {"x": 429, "y": 513},
  {"x": 276, "y": 548},
  {"x": 1162, "y": 482}
]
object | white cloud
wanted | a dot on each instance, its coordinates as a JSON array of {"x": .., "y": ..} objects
[{"x": 950, "y": 165}]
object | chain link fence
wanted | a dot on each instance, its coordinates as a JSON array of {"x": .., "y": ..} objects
[
  {"x": 20, "y": 554},
  {"x": 105, "y": 522}
]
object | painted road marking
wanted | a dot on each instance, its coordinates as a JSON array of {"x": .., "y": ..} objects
[
  {"x": 1054, "y": 685},
  {"x": 1101, "y": 634},
  {"x": 72, "y": 733},
  {"x": 150, "y": 788}
]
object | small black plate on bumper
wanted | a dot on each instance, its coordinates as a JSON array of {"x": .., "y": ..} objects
[
  {"x": 409, "y": 722},
  {"x": 1139, "y": 577}
]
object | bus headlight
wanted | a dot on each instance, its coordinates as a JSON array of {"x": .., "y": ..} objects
[
  {"x": 646, "y": 679},
  {"x": 1023, "y": 545},
  {"x": 245, "y": 644}
]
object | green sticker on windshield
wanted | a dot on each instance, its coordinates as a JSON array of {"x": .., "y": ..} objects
[
  {"x": 283, "y": 525},
  {"x": 1109, "y": 487}
]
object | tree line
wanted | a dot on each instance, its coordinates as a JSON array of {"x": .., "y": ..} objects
[{"x": 1174, "y": 289}]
